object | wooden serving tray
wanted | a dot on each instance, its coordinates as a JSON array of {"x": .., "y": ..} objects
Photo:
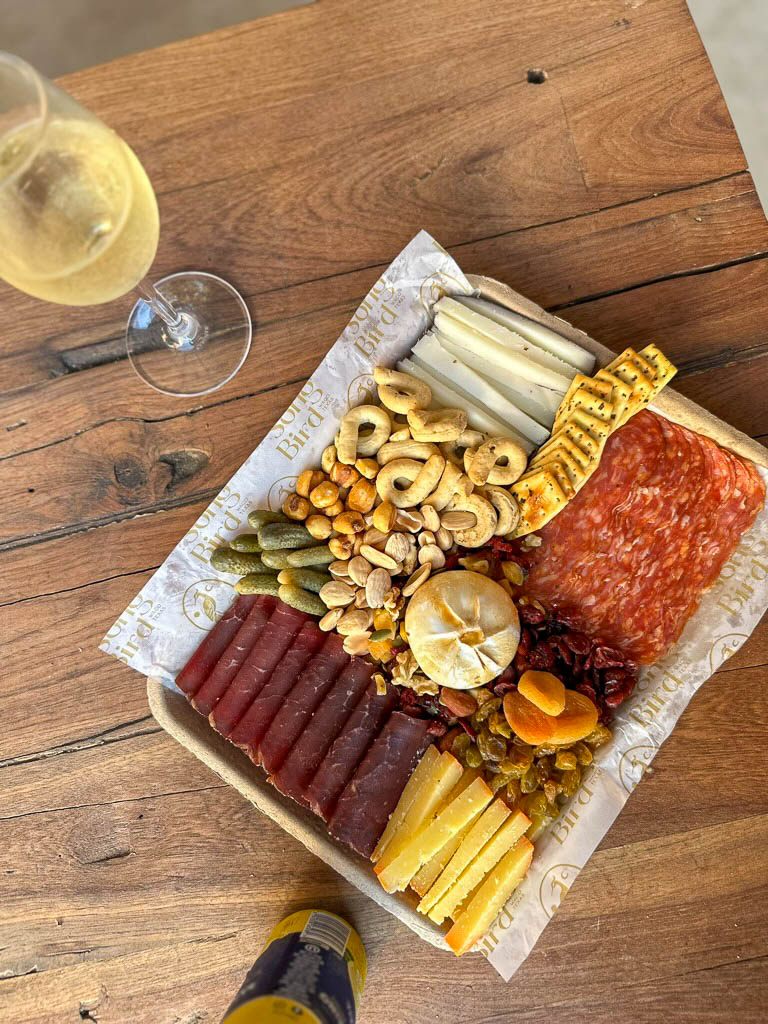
[{"x": 174, "y": 714}]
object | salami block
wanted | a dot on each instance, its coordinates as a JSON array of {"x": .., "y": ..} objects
[
  {"x": 310, "y": 688},
  {"x": 322, "y": 729},
  {"x": 200, "y": 665},
  {"x": 364, "y": 807},
  {"x": 248, "y": 732},
  {"x": 285, "y": 622},
  {"x": 347, "y": 750}
]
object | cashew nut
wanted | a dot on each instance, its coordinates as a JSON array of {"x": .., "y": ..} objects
[
  {"x": 485, "y": 465},
  {"x": 454, "y": 450},
  {"x": 452, "y": 482},
  {"x": 401, "y": 392},
  {"x": 437, "y": 424},
  {"x": 406, "y": 450},
  {"x": 421, "y": 476},
  {"x": 479, "y": 534},
  {"x": 507, "y": 509},
  {"x": 349, "y": 444}
]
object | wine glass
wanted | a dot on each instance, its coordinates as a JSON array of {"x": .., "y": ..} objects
[{"x": 79, "y": 225}]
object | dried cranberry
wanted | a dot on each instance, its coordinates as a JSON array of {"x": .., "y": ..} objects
[
  {"x": 467, "y": 728},
  {"x": 437, "y": 729},
  {"x": 412, "y": 710},
  {"x": 505, "y": 686},
  {"x": 579, "y": 643},
  {"x": 526, "y": 639},
  {"x": 607, "y": 657},
  {"x": 578, "y": 667},
  {"x": 570, "y": 620},
  {"x": 505, "y": 546},
  {"x": 521, "y": 663},
  {"x": 587, "y": 691},
  {"x": 531, "y": 615},
  {"x": 452, "y": 560},
  {"x": 562, "y": 649},
  {"x": 542, "y": 656}
]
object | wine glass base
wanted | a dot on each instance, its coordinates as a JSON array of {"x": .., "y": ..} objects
[{"x": 197, "y": 364}]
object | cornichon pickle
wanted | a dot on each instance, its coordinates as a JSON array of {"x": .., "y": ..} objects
[
  {"x": 262, "y": 516},
  {"x": 277, "y": 536},
  {"x": 245, "y": 542},
  {"x": 308, "y": 579},
  {"x": 258, "y": 583},
  {"x": 276, "y": 559},
  {"x": 301, "y": 599},
  {"x": 241, "y": 562},
  {"x": 319, "y": 555}
]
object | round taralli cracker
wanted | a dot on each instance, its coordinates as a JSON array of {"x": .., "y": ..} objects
[{"x": 463, "y": 629}]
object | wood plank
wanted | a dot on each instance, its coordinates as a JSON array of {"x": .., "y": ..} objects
[
  {"x": 554, "y": 264},
  {"x": 355, "y": 133},
  {"x": 128, "y": 885}
]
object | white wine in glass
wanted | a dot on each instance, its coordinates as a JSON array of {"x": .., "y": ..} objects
[{"x": 79, "y": 225}]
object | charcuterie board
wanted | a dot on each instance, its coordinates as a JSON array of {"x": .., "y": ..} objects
[{"x": 176, "y": 716}]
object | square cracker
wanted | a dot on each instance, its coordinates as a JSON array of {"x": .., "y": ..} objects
[{"x": 540, "y": 498}]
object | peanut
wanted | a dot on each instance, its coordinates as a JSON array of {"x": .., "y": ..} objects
[
  {"x": 308, "y": 480},
  {"x": 357, "y": 643},
  {"x": 329, "y": 620},
  {"x": 324, "y": 494},
  {"x": 362, "y": 495},
  {"x": 431, "y": 518},
  {"x": 361, "y": 601},
  {"x": 374, "y": 537},
  {"x": 384, "y": 516},
  {"x": 432, "y": 554},
  {"x": 410, "y": 520},
  {"x": 426, "y": 537},
  {"x": 296, "y": 507},
  {"x": 380, "y": 558},
  {"x": 513, "y": 572},
  {"x": 319, "y": 526},
  {"x": 444, "y": 539},
  {"x": 349, "y": 522},
  {"x": 415, "y": 580}
]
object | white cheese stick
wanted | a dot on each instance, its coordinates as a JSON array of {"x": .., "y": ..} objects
[
  {"x": 479, "y": 324},
  {"x": 454, "y": 373},
  {"x": 477, "y": 418},
  {"x": 538, "y": 402},
  {"x": 514, "y": 360},
  {"x": 536, "y": 333}
]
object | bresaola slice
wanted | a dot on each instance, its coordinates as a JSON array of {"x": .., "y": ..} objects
[
  {"x": 367, "y": 801},
  {"x": 199, "y": 667},
  {"x": 230, "y": 662},
  {"x": 311, "y": 686},
  {"x": 324, "y": 726},
  {"x": 258, "y": 718},
  {"x": 347, "y": 750},
  {"x": 267, "y": 654}
]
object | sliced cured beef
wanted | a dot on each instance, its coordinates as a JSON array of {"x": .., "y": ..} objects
[
  {"x": 258, "y": 718},
  {"x": 199, "y": 667},
  {"x": 370, "y": 797},
  {"x": 284, "y": 623},
  {"x": 631, "y": 555},
  {"x": 293, "y": 777},
  {"x": 310, "y": 688},
  {"x": 230, "y": 662},
  {"x": 347, "y": 750}
]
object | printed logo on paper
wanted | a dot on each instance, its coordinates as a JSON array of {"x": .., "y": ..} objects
[
  {"x": 724, "y": 648},
  {"x": 279, "y": 491},
  {"x": 555, "y": 883},
  {"x": 205, "y": 601},
  {"x": 633, "y": 763},
  {"x": 434, "y": 287},
  {"x": 361, "y": 391}
]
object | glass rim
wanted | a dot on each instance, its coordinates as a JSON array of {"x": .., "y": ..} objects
[{"x": 20, "y": 65}]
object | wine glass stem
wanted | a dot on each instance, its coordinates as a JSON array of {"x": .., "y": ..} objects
[{"x": 182, "y": 328}]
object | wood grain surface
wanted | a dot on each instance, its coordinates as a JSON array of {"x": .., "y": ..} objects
[{"x": 296, "y": 155}]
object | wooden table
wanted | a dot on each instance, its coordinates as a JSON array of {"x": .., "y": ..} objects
[{"x": 296, "y": 155}]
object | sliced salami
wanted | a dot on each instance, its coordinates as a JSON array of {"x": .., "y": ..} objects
[{"x": 632, "y": 554}]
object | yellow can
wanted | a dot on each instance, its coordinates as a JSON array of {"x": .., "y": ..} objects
[{"x": 311, "y": 971}]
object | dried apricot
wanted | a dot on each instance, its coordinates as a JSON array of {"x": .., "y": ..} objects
[
  {"x": 544, "y": 690},
  {"x": 577, "y": 720},
  {"x": 530, "y": 724}
]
